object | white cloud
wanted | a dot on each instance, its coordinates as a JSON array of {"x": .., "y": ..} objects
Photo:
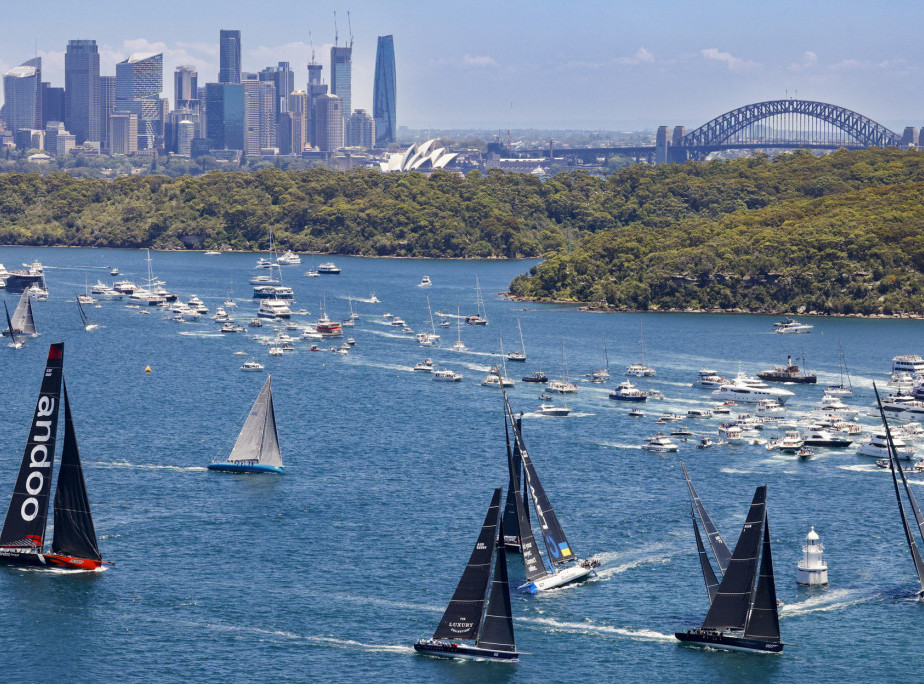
[
  {"x": 641, "y": 56},
  {"x": 479, "y": 61},
  {"x": 733, "y": 63},
  {"x": 809, "y": 60}
]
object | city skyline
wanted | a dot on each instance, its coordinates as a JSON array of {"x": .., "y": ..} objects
[{"x": 615, "y": 66}]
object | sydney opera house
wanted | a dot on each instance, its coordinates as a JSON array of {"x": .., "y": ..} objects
[{"x": 423, "y": 157}]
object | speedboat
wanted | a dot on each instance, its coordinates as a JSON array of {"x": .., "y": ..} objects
[
  {"x": 495, "y": 379},
  {"x": 710, "y": 379},
  {"x": 669, "y": 418},
  {"x": 705, "y": 442},
  {"x": 805, "y": 453},
  {"x": 626, "y": 391},
  {"x": 660, "y": 444},
  {"x": 538, "y": 376},
  {"x": 312, "y": 274},
  {"x": 699, "y": 413},
  {"x": 769, "y": 407},
  {"x": 263, "y": 280},
  {"x": 329, "y": 267},
  {"x": 877, "y": 446},
  {"x": 835, "y": 407},
  {"x": 263, "y": 262},
  {"x": 425, "y": 366},
  {"x": 636, "y": 413},
  {"x": 252, "y": 366},
  {"x": 446, "y": 376},
  {"x": 289, "y": 259},
  {"x": 790, "y": 443},
  {"x": 424, "y": 282},
  {"x": 791, "y": 326},
  {"x": 549, "y": 410}
]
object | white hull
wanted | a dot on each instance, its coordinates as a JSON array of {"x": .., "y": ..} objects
[{"x": 565, "y": 576}]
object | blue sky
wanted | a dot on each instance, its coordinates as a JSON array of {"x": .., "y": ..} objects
[{"x": 595, "y": 64}]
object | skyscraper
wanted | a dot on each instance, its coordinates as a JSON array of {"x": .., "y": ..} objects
[
  {"x": 229, "y": 67},
  {"x": 52, "y": 104},
  {"x": 259, "y": 115},
  {"x": 107, "y": 103},
  {"x": 315, "y": 89},
  {"x": 185, "y": 86},
  {"x": 139, "y": 80},
  {"x": 22, "y": 95},
  {"x": 341, "y": 68},
  {"x": 328, "y": 111},
  {"x": 81, "y": 90},
  {"x": 284, "y": 80},
  {"x": 384, "y": 92},
  {"x": 360, "y": 130}
]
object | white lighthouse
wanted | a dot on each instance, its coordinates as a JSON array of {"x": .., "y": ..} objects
[{"x": 812, "y": 569}]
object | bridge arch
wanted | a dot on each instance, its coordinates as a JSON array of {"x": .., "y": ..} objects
[{"x": 860, "y": 130}]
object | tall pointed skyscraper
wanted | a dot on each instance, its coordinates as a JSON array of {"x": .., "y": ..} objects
[
  {"x": 81, "y": 90},
  {"x": 229, "y": 48},
  {"x": 384, "y": 92}
]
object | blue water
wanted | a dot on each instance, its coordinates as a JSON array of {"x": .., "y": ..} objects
[{"x": 334, "y": 569}]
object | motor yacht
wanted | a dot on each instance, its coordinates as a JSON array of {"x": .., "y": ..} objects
[
  {"x": 816, "y": 435},
  {"x": 125, "y": 287},
  {"x": 495, "y": 379},
  {"x": 264, "y": 263},
  {"x": 312, "y": 274},
  {"x": 908, "y": 363},
  {"x": 750, "y": 390},
  {"x": 710, "y": 379},
  {"x": 328, "y": 328},
  {"x": 636, "y": 413},
  {"x": 424, "y": 282},
  {"x": 252, "y": 366},
  {"x": 329, "y": 268},
  {"x": 273, "y": 309},
  {"x": 789, "y": 443},
  {"x": 550, "y": 410},
  {"x": 289, "y": 259},
  {"x": 660, "y": 443},
  {"x": 221, "y": 315},
  {"x": 833, "y": 406},
  {"x": 699, "y": 413},
  {"x": 561, "y": 387},
  {"x": 538, "y": 377},
  {"x": 425, "y": 366},
  {"x": 447, "y": 376},
  {"x": 640, "y": 370},
  {"x": 876, "y": 446},
  {"x": 626, "y": 391},
  {"x": 791, "y": 326},
  {"x": 769, "y": 407},
  {"x": 263, "y": 280},
  {"x": 103, "y": 291}
]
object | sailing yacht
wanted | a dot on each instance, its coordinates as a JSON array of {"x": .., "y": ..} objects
[
  {"x": 458, "y": 345},
  {"x": 480, "y": 317},
  {"x": 480, "y": 608},
  {"x": 87, "y": 324},
  {"x": 720, "y": 550},
  {"x": 22, "y": 322},
  {"x": 559, "y": 566},
  {"x": 601, "y": 375},
  {"x": 639, "y": 369},
  {"x": 22, "y": 540},
  {"x": 16, "y": 343},
  {"x": 742, "y": 617},
  {"x": 519, "y": 356},
  {"x": 257, "y": 447},
  {"x": 562, "y": 386},
  {"x": 896, "y": 468},
  {"x": 841, "y": 389}
]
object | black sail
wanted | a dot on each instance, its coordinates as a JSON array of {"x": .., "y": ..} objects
[
  {"x": 732, "y": 601},
  {"x": 511, "y": 522},
  {"x": 719, "y": 548},
  {"x": 463, "y": 615},
  {"x": 764, "y": 621},
  {"x": 556, "y": 543},
  {"x": 74, "y": 534},
  {"x": 9, "y": 323},
  {"x": 28, "y": 511},
  {"x": 497, "y": 629},
  {"x": 712, "y": 584},
  {"x": 532, "y": 561},
  {"x": 519, "y": 461}
]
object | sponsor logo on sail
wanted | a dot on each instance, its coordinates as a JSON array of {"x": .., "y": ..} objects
[{"x": 39, "y": 458}]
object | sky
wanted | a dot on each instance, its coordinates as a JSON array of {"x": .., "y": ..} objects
[{"x": 594, "y": 64}]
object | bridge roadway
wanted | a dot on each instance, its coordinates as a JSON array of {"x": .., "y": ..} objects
[{"x": 646, "y": 151}]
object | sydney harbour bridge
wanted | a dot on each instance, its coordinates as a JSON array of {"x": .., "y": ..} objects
[{"x": 780, "y": 124}]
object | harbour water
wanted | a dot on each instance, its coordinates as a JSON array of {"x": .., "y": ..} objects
[{"x": 334, "y": 569}]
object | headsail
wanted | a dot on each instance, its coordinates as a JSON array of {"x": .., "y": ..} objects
[
  {"x": 462, "y": 618},
  {"x": 532, "y": 560},
  {"x": 74, "y": 534},
  {"x": 556, "y": 543},
  {"x": 496, "y": 631},
  {"x": 730, "y": 607},
  {"x": 28, "y": 511},
  {"x": 9, "y": 323},
  {"x": 511, "y": 522},
  {"x": 83, "y": 314},
  {"x": 893, "y": 462},
  {"x": 719, "y": 548},
  {"x": 764, "y": 620},
  {"x": 712, "y": 584},
  {"x": 258, "y": 440}
]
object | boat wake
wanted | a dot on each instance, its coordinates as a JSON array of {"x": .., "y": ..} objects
[
  {"x": 590, "y": 628},
  {"x": 405, "y": 336},
  {"x": 615, "y": 445},
  {"x": 333, "y": 642},
  {"x": 836, "y": 599},
  {"x": 353, "y": 361},
  {"x": 197, "y": 333},
  {"x": 144, "y": 466},
  {"x": 863, "y": 468},
  {"x": 656, "y": 554}
]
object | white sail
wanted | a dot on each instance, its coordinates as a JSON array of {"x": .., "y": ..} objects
[
  {"x": 23, "y": 323},
  {"x": 258, "y": 440}
]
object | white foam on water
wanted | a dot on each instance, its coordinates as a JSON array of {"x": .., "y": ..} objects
[
  {"x": 590, "y": 628},
  {"x": 310, "y": 639},
  {"x": 615, "y": 445},
  {"x": 863, "y": 468},
  {"x": 143, "y": 466},
  {"x": 195, "y": 333},
  {"x": 836, "y": 599}
]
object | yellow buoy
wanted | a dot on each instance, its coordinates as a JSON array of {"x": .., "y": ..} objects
[{"x": 147, "y": 369}]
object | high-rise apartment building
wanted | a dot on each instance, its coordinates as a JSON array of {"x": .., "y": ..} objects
[
  {"x": 81, "y": 90},
  {"x": 139, "y": 80},
  {"x": 52, "y": 104},
  {"x": 229, "y": 48},
  {"x": 341, "y": 75},
  {"x": 384, "y": 92},
  {"x": 107, "y": 104},
  {"x": 297, "y": 123},
  {"x": 328, "y": 112},
  {"x": 186, "y": 131},
  {"x": 123, "y": 133},
  {"x": 185, "y": 86},
  {"x": 315, "y": 89},
  {"x": 22, "y": 95},
  {"x": 360, "y": 130},
  {"x": 259, "y": 115}
]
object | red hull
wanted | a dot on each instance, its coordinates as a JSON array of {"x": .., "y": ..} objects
[{"x": 28, "y": 559}]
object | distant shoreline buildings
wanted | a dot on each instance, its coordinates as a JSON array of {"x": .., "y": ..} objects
[{"x": 264, "y": 113}]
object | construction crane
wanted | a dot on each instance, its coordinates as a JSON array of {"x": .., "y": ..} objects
[
  {"x": 336, "y": 35},
  {"x": 350, "y": 27}
]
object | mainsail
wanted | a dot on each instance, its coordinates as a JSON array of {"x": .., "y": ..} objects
[
  {"x": 712, "y": 584},
  {"x": 23, "y": 322},
  {"x": 719, "y": 548},
  {"x": 9, "y": 329},
  {"x": 511, "y": 522},
  {"x": 496, "y": 631},
  {"x": 83, "y": 314},
  {"x": 532, "y": 560},
  {"x": 28, "y": 512},
  {"x": 729, "y": 609},
  {"x": 258, "y": 440},
  {"x": 764, "y": 620},
  {"x": 462, "y": 618},
  {"x": 74, "y": 534}
]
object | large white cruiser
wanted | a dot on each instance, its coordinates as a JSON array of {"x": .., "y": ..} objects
[{"x": 750, "y": 390}]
